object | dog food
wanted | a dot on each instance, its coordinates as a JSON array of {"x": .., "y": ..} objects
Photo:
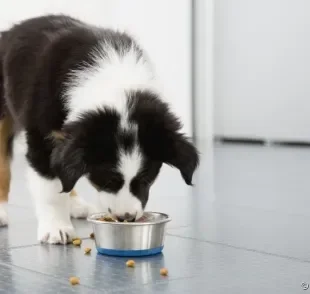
[
  {"x": 107, "y": 219},
  {"x": 77, "y": 242},
  {"x": 74, "y": 281},
  {"x": 164, "y": 272},
  {"x": 130, "y": 263},
  {"x": 113, "y": 220},
  {"x": 87, "y": 250},
  {"x": 92, "y": 236}
]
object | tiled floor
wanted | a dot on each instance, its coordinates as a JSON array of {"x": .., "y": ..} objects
[{"x": 243, "y": 228}]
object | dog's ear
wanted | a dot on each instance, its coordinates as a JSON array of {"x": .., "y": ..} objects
[
  {"x": 170, "y": 147},
  {"x": 183, "y": 155},
  {"x": 68, "y": 163},
  {"x": 159, "y": 134}
]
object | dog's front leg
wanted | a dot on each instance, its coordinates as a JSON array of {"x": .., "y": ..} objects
[{"x": 52, "y": 209}]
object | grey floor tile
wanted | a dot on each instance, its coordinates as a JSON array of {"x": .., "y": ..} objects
[
  {"x": 272, "y": 232},
  {"x": 217, "y": 268},
  {"x": 267, "y": 178},
  {"x": 16, "y": 280},
  {"x": 202, "y": 286},
  {"x": 262, "y": 200},
  {"x": 101, "y": 272}
]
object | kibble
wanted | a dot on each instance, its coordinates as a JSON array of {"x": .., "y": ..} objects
[
  {"x": 107, "y": 219},
  {"x": 77, "y": 242},
  {"x": 87, "y": 250},
  {"x": 164, "y": 272},
  {"x": 130, "y": 263},
  {"x": 92, "y": 236},
  {"x": 74, "y": 281}
]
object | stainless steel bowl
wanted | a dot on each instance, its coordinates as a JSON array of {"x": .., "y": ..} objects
[{"x": 139, "y": 238}]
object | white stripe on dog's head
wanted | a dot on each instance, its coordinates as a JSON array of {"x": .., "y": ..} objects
[{"x": 104, "y": 83}]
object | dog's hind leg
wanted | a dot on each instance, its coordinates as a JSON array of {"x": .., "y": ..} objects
[
  {"x": 5, "y": 161},
  {"x": 6, "y": 137},
  {"x": 79, "y": 208}
]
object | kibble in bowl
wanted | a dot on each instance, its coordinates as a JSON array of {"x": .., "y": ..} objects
[{"x": 109, "y": 219}]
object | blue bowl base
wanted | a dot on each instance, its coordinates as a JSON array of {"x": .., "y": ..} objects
[{"x": 131, "y": 253}]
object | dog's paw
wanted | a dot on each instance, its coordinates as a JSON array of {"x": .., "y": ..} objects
[
  {"x": 79, "y": 208},
  {"x": 3, "y": 217},
  {"x": 54, "y": 233}
]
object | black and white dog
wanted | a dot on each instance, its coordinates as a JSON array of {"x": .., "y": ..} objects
[{"x": 89, "y": 104}]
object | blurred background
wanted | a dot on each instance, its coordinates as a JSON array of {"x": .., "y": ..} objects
[{"x": 261, "y": 72}]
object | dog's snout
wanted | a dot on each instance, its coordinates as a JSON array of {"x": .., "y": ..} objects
[{"x": 126, "y": 217}]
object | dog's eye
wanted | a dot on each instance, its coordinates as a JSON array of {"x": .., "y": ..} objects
[
  {"x": 114, "y": 185},
  {"x": 138, "y": 185}
]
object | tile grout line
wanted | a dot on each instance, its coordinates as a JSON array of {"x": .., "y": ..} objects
[
  {"x": 39, "y": 244},
  {"x": 242, "y": 248},
  {"x": 189, "y": 238}
]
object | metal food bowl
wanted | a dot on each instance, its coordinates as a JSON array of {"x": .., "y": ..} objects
[{"x": 143, "y": 237}]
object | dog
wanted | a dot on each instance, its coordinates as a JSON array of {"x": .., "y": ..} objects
[{"x": 90, "y": 105}]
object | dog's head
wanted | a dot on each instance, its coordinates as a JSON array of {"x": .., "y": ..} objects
[{"x": 121, "y": 154}]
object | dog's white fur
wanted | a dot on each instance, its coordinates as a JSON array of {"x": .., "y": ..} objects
[
  {"x": 105, "y": 83},
  {"x": 52, "y": 208},
  {"x": 124, "y": 202}
]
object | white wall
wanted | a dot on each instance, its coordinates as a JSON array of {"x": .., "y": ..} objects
[
  {"x": 262, "y": 69},
  {"x": 203, "y": 82},
  {"x": 163, "y": 28}
]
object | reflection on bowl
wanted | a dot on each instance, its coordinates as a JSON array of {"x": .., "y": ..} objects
[{"x": 141, "y": 238}]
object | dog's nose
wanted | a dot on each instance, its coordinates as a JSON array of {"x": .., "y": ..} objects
[{"x": 126, "y": 217}]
